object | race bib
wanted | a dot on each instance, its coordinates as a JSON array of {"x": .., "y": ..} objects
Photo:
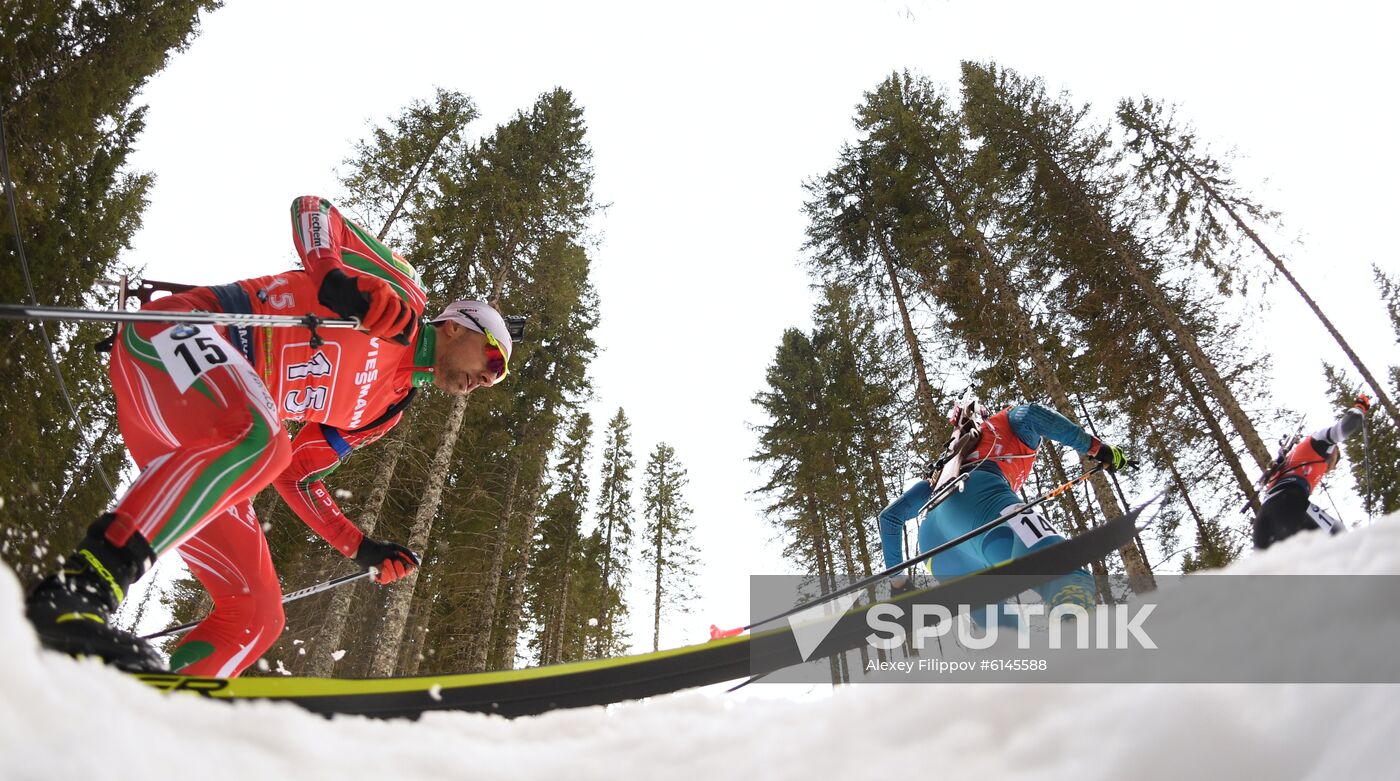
[
  {"x": 1324, "y": 521},
  {"x": 1031, "y": 527},
  {"x": 189, "y": 351}
]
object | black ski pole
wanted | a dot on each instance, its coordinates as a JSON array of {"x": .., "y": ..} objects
[
  {"x": 290, "y": 596},
  {"x": 928, "y": 554}
]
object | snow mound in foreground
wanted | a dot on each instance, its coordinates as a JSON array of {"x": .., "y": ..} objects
[{"x": 63, "y": 719}]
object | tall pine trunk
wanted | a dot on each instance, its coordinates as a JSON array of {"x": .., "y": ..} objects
[
  {"x": 1205, "y": 540},
  {"x": 1215, "y": 196},
  {"x": 825, "y": 564},
  {"x": 1131, "y": 260},
  {"x": 848, "y": 558},
  {"x": 605, "y": 620},
  {"x": 515, "y": 605},
  {"x": 656, "y": 603},
  {"x": 1207, "y": 535},
  {"x": 561, "y": 611},
  {"x": 413, "y": 182},
  {"x": 1212, "y": 424},
  {"x": 923, "y": 390},
  {"x": 343, "y": 600},
  {"x": 328, "y": 639},
  {"x": 490, "y": 590},
  {"x": 391, "y": 633}
]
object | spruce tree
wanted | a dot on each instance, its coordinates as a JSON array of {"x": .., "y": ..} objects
[
  {"x": 1149, "y": 339},
  {"x": 668, "y": 545},
  {"x": 793, "y": 446},
  {"x": 853, "y": 211},
  {"x": 525, "y": 193},
  {"x": 1204, "y": 204},
  {"x": 1070, "y": 163},
  {"x": 830, "y": 443},
  {"x": 614, "y": 519},
  {"x": 558, "y": 546},
  {"x": 394, "y": 172},
  {"x": 387, "y": 182},
  {"x": 564, "y": 308},
  {"x": 69, "y": 76},
  {"x": 1373, "y": 455}
]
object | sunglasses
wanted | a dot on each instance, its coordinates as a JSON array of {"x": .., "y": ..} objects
[
  {"x": 495, "y": 356},
  {"x": 495, "y": 359}
]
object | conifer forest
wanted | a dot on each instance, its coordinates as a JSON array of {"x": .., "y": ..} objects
[{"x": 989, "y": 236}]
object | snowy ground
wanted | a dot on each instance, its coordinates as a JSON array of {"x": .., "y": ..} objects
[{"x": 60, "y": 719}]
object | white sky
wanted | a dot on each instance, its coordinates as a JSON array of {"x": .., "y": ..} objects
[{"x": 705, "y": 121}]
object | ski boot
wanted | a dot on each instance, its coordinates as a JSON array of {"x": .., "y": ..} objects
[
  {"x": 71, "y": 611},
  {"x": 1076, "y": 588}
]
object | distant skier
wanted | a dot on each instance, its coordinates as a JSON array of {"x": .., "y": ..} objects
[
  {"x": 997, "y": 453},
  {"x": 201, "y": 411},
  {"x": 1295, "y": 474}
]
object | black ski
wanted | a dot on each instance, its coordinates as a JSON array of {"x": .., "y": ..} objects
[{"x": 603, "y": 681}]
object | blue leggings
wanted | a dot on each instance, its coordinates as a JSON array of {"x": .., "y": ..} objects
[{"x": 983, "y": 497}]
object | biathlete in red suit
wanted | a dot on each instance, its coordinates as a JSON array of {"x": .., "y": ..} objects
[
  {"x": 201, "y": 410},
  {"x": 1286, "y": 502}
]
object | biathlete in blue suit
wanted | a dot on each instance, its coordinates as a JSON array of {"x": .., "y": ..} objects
[{"x": 1000, "y": 461}]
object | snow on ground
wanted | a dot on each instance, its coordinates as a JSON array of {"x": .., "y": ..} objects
[{"x": 63, "y": 719}]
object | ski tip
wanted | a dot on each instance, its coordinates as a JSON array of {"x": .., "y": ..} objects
[{"x": 717, "y": 634}]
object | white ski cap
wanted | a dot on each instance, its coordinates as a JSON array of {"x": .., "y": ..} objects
[{"x": 481, "y": 317}]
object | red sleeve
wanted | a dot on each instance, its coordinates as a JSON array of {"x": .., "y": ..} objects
[
  {"x": 318, "y": 231},
  {"x": 325, "y": 240},
  {"x": 316, "y": 452}
]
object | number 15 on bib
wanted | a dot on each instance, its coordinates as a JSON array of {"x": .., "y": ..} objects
[{"x": 189, "y": 351}]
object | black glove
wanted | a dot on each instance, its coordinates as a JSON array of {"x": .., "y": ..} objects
[
  {"x": 1111, "y": 457},
  {"x": 390, "y": 560},
  {"x": 373, "y": 301}
]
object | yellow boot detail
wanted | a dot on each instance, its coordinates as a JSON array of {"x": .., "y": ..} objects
[
  {"x": 1073, "y": 594},
  {"x": 102, "y": 572}
]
